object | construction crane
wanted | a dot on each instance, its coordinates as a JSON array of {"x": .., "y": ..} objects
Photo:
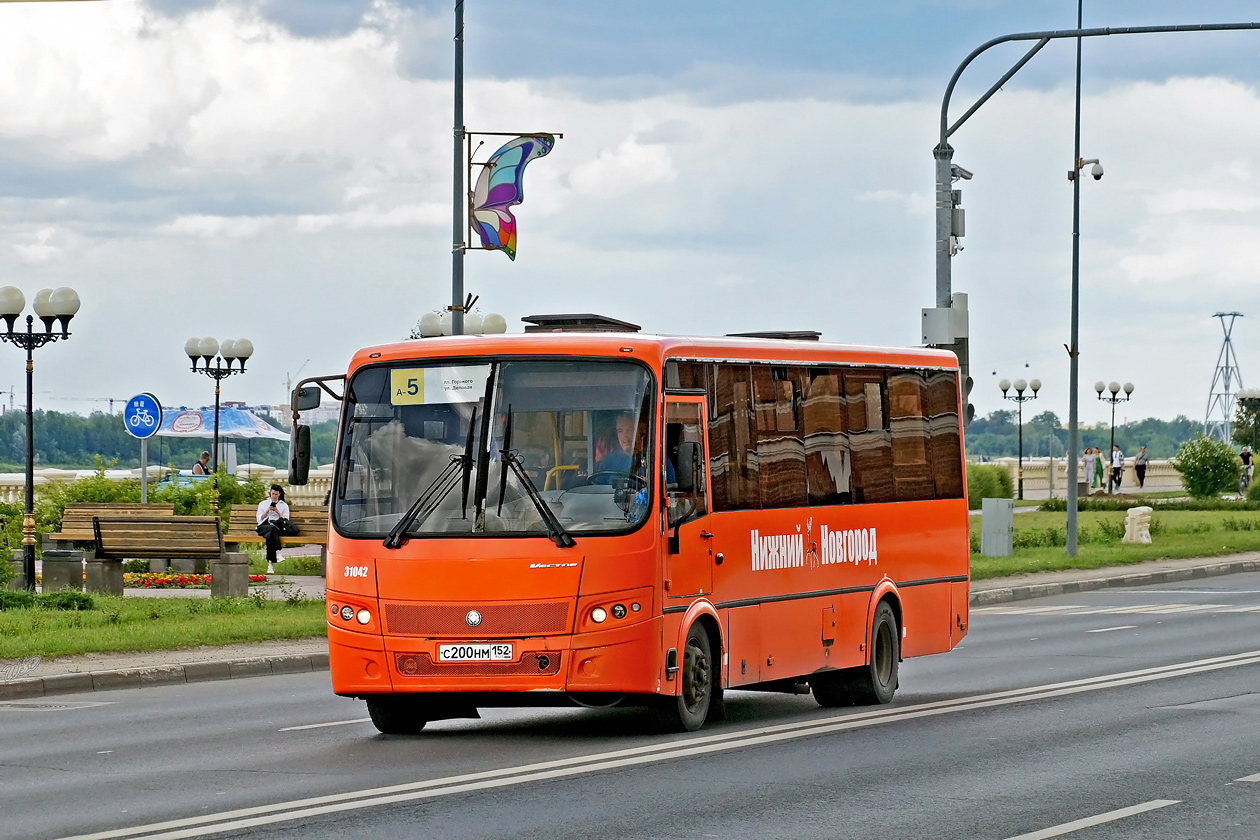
[{"x": 288, "y": 381}]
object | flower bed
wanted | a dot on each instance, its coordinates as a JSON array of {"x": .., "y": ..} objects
[{"x": 173, "y": 580}]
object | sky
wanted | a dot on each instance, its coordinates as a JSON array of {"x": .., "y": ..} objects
[{"x": 281, "y": 170}]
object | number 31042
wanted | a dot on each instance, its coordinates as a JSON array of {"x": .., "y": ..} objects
[{"x": 356, "y": 571}]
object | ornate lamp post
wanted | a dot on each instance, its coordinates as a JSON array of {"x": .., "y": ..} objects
[
  {"x": 1019, "y": 398},
  {"x": 51, "y": 306},
  {"x": 1114, "y": 388},
  {"x": 209, "y": 350}
]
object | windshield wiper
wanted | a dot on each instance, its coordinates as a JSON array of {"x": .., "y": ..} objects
[
  {"x": 555, "y": 531},
  {"x": 437, "y": 490}
]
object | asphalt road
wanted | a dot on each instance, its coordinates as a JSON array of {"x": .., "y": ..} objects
[{"x": 1112, "y": 713}]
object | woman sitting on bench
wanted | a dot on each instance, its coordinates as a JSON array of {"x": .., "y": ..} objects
[{"x": 273, "y": 522}]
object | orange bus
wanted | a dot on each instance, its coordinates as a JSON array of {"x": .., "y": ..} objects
[{"x": 597, "y": 517}]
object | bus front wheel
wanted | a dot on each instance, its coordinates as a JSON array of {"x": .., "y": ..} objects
[
  {"x": 394, "y": 715},
  {"x": 688, "y": 711}
]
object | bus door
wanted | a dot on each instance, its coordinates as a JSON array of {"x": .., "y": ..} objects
[{"x": 691, "y": 552}]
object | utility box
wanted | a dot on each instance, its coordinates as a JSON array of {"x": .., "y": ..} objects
[{"x": 997, "y": 527}]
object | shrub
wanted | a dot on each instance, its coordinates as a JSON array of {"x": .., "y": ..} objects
[
  {"x": 65, "y": 600},
  {"x": 1124, "y": 503},
  {"x": 988, "y": 481},
  {"x": 1253, "y": 492},
  {"x": 1208, "y": 467}
]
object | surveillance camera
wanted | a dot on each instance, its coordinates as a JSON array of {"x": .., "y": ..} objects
[
  {"x": 959, "y": 172},
  {"x": 1097, "y": 171}
]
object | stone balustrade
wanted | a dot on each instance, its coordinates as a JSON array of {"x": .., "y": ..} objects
[{"x": 1161, "y": 476}]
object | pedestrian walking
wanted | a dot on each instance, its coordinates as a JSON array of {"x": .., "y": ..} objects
[
  {"x": 1087, "y": 466},
  {"x": 1139, "y": 466},
  {"x": 1117, "y": 467}
]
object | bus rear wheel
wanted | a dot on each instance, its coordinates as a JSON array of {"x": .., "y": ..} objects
[
  {"x": 689, "y": 710},
  {"x": 872, "y": 683},
  {"x": 394, "y": 715}
]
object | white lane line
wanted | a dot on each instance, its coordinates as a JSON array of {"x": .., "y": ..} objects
[
  {"x": 1254, "y": 777},
  {"x": 322, "y": 725},
  {"x": 1105, "y": 629},
  {"x": 242, "y": 818},
  {"x": 1089, "y": 822}
]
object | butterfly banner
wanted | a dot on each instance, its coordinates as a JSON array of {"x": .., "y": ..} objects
[{"x": 499, "y": 188}]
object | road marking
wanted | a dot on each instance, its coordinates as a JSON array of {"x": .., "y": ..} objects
[
  {"x": 1137, "y": 609},
  {"x": 1255, "y": 777},
  {"x": 322, "y": 725},
  {"x": 1088, "y": 822},
  {"x": 301, "y": 809},
  {"x": 1109, "y": 629}
]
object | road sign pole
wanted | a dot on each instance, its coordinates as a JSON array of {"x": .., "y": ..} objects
[{"x": 144, "y": 471}]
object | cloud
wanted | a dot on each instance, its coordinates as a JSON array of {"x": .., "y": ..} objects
[{"x": 197, "y": 156}]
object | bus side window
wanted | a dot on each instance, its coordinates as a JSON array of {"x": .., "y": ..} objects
[{"x": 684, "y": 448}]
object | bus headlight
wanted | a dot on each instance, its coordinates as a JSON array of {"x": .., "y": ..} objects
[
  {"x": 363, "y": 616},
  {"x": 347, "y": 613},
  {"x": 598, "y": 615}
]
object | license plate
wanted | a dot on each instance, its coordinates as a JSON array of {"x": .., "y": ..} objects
[{"x": 476, "y": 653}]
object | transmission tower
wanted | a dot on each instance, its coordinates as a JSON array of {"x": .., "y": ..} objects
[{"x": 1226, "y": 383}]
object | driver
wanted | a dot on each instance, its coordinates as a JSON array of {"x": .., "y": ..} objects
[{"x": 621, "y": 457}]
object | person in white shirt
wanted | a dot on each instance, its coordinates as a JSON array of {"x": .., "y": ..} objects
[
  {"x": 273, "y": 516},
  {"x": 1117, "y": 465}
]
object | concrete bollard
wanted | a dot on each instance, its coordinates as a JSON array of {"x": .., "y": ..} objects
[
  {"x": 104, "y": 576},
  {"x": 229, "y": 575},
  {"x": 17, "y": 564},
  {"x": 185, "y": 566},
  {"x": 1137, "y": 525},
  {"x": 62, "y": 570}
]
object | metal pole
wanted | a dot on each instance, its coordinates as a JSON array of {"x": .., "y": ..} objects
[
  {"x": 458, "y": 196},
  {"x": 214, "y": 482},
  {"x": 28, "y": 515},
  {"x": 1110, "y": 455},
  {"x": 144, "y": 470},
  {"x": 1020, "y": 472},
  {"x": 1074, "y": 345}
]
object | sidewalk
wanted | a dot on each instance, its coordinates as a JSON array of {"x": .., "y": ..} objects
[{"x": 98, "y": 672}]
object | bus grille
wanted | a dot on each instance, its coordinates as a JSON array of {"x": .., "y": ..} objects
[
  {"x": 531, "y": 665},
  {"x": 497, "y": 620}
]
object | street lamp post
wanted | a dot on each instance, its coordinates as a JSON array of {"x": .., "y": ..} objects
[
  {"x": 209, "y": 350},
  {"x": 1115, "y": 397},
  {"x": 50, "y": 305},
  {"x": 1019, "y": 398}
]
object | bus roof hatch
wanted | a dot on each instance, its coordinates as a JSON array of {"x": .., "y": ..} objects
[{"x": 576, "y": 323}]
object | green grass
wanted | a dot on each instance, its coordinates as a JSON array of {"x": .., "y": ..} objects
[
  {"x": 1039, "y": 539},
  {"x": 140, "y": 624}
]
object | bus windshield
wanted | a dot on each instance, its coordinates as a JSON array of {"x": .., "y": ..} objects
[{"x": 431, "y": 436}]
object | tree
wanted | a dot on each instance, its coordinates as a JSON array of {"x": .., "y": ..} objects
[{"x": 1208, "y": 466}]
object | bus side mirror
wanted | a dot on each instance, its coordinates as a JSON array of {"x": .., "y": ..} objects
[
  {"x": 688, "y": 466},
  {"x": 305, "y": 398},
  {"x": 300, "y": 453}
]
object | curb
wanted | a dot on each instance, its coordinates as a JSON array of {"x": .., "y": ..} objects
[
  {"x": 227, "y": 669},
  {"x": 1042, "y": 590}
]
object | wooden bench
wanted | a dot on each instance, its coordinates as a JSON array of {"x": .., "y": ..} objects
[
  {"x": 76, "y": 520},
  {"x": 311, "y": 522},
  {"x": 195, "y": 538}
]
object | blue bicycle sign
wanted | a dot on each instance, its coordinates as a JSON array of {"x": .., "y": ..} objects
[{"x": 143, "y": 416}]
